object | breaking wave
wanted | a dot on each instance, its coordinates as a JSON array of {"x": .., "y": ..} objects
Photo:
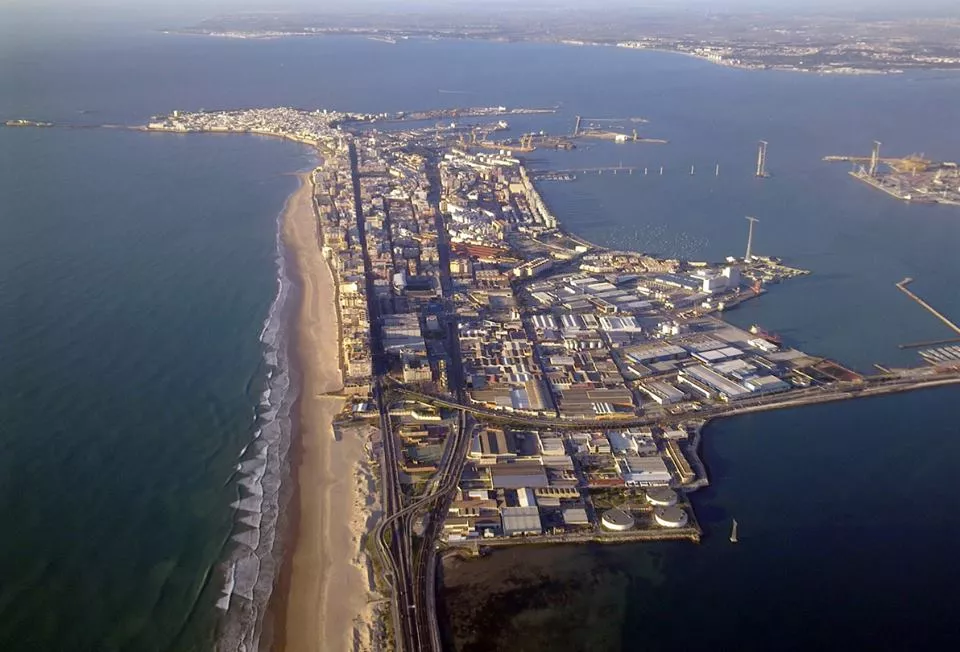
[{"x": 254, "y": 553}]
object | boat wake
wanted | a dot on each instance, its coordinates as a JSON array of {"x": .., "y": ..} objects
[{"x": 255, "y": 550}]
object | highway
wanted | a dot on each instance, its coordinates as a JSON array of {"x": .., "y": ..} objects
[
  {"x": 417, "y": 597},
  {"x": 393, "y": 533},
  {"x": 392, "y": 540},
  {"x": 410, "y": 563},
  {"x": 410, "y": 568},
  {"x": 898, "y": 381}
]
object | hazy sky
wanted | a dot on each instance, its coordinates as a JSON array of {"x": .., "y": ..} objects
[{"x": 218, "y": 6}]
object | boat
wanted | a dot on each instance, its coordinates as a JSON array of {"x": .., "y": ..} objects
[
  {"x": 733, "y": 532},
  {"x": 773, "y": 338},
  {"x": 20, "y": 122},
  {"x": 558, "y": 176}
]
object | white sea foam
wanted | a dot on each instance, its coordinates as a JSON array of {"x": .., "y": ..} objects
[
  {"x": 253, "y": 466},
  {"x": 247, "y": 575},
  {"x": 223, "y": 603},
  {"x": 249, "y": 538},
  {"x": 248, "y": 504},
  {"x": 256, "y": 544},
  {"x": 253, "y": 485}
]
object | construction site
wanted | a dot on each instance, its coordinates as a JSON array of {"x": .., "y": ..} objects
[
  {"x": 479, "y": 137},
  {"x": 912, "y": 178},
  {"x": 614, "y": 129},
  {"x": 482, "y": 138}
]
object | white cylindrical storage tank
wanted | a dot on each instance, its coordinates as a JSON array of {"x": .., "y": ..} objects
[
  {"x": 661, "y": 496},
  {"x": 670, "y": 516},
  {"x": 617, "y": 520}
]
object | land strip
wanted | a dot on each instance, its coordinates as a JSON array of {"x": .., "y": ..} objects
[
  {"x": 327, "y": 606},
  {"x": 528, "y": 386}
]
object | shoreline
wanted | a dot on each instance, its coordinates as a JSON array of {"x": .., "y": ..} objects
[
  {"x": 307, "y": 610},
  {"x": 842, "y": 71},
  {"x": 323, "y": 596},
  {"x": 255, "y": 549},
  {"x": 289, "y": 527}
]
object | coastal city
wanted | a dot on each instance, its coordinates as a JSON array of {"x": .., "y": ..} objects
[
  {"x": 519, "y": 325},
  {"x": 817, "y": 42},
  {"x": 528, "y": 385}
]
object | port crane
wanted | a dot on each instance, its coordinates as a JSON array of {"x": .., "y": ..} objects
[
  {"x": 913, "y": 164},
  {"x": 526, "y": 143}
]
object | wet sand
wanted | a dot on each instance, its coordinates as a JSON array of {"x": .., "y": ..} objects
[{"x": 328, "y": 602}]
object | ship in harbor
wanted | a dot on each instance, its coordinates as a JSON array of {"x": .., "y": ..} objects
[
  {"x": 557, "y": 176},
  {"x": 773, "y": 338}
]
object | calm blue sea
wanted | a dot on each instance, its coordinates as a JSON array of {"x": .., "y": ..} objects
[{"x": 137, "y": 272}]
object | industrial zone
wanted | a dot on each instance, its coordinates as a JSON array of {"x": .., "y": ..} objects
[
  {"x": 912, "y": 178},
  {"x": 529, "y": 386}
]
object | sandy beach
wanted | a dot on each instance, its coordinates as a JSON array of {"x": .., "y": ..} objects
[{"x": 328, "y": 605}]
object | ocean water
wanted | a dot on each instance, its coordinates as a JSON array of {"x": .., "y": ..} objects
[
  {"x": 138, "y": 271},
  {"x": 136, "y": 274}
]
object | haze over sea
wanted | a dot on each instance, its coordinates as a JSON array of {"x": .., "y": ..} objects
[{"x": 137, "y": 271}]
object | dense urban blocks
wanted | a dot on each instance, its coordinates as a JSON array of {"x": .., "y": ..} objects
[{"x": 587, "y": 372}]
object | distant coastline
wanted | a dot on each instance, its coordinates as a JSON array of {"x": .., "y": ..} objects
[{"x": 707, "y": 51}]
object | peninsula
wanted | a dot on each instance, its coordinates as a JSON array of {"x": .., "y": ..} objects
[{"x": 522, "y": 384}]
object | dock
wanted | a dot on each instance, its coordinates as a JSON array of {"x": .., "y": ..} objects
[
  {"x": 614, "y": 169},
  {"x": 911, "y": 178},
  {"x": 928, "y": 343},
  {"x": 946, "y": 355},
  {"x": 691, "y": 533},
  {"x": 902, "y": 286}
]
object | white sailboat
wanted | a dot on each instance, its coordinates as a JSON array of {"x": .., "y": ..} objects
[{"x": 733, "y": 532}]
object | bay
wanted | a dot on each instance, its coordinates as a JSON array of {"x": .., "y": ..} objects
[{"x": 137, "y": 271}]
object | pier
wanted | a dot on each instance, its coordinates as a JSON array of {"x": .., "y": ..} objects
[
  {"x": 920, "y": 345},
  {"x": 902, "y": 286},
  {"x": 691, "y": 533},
  {"x": 615, "y": 169},
  {"x": 609, "y": 169}
]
